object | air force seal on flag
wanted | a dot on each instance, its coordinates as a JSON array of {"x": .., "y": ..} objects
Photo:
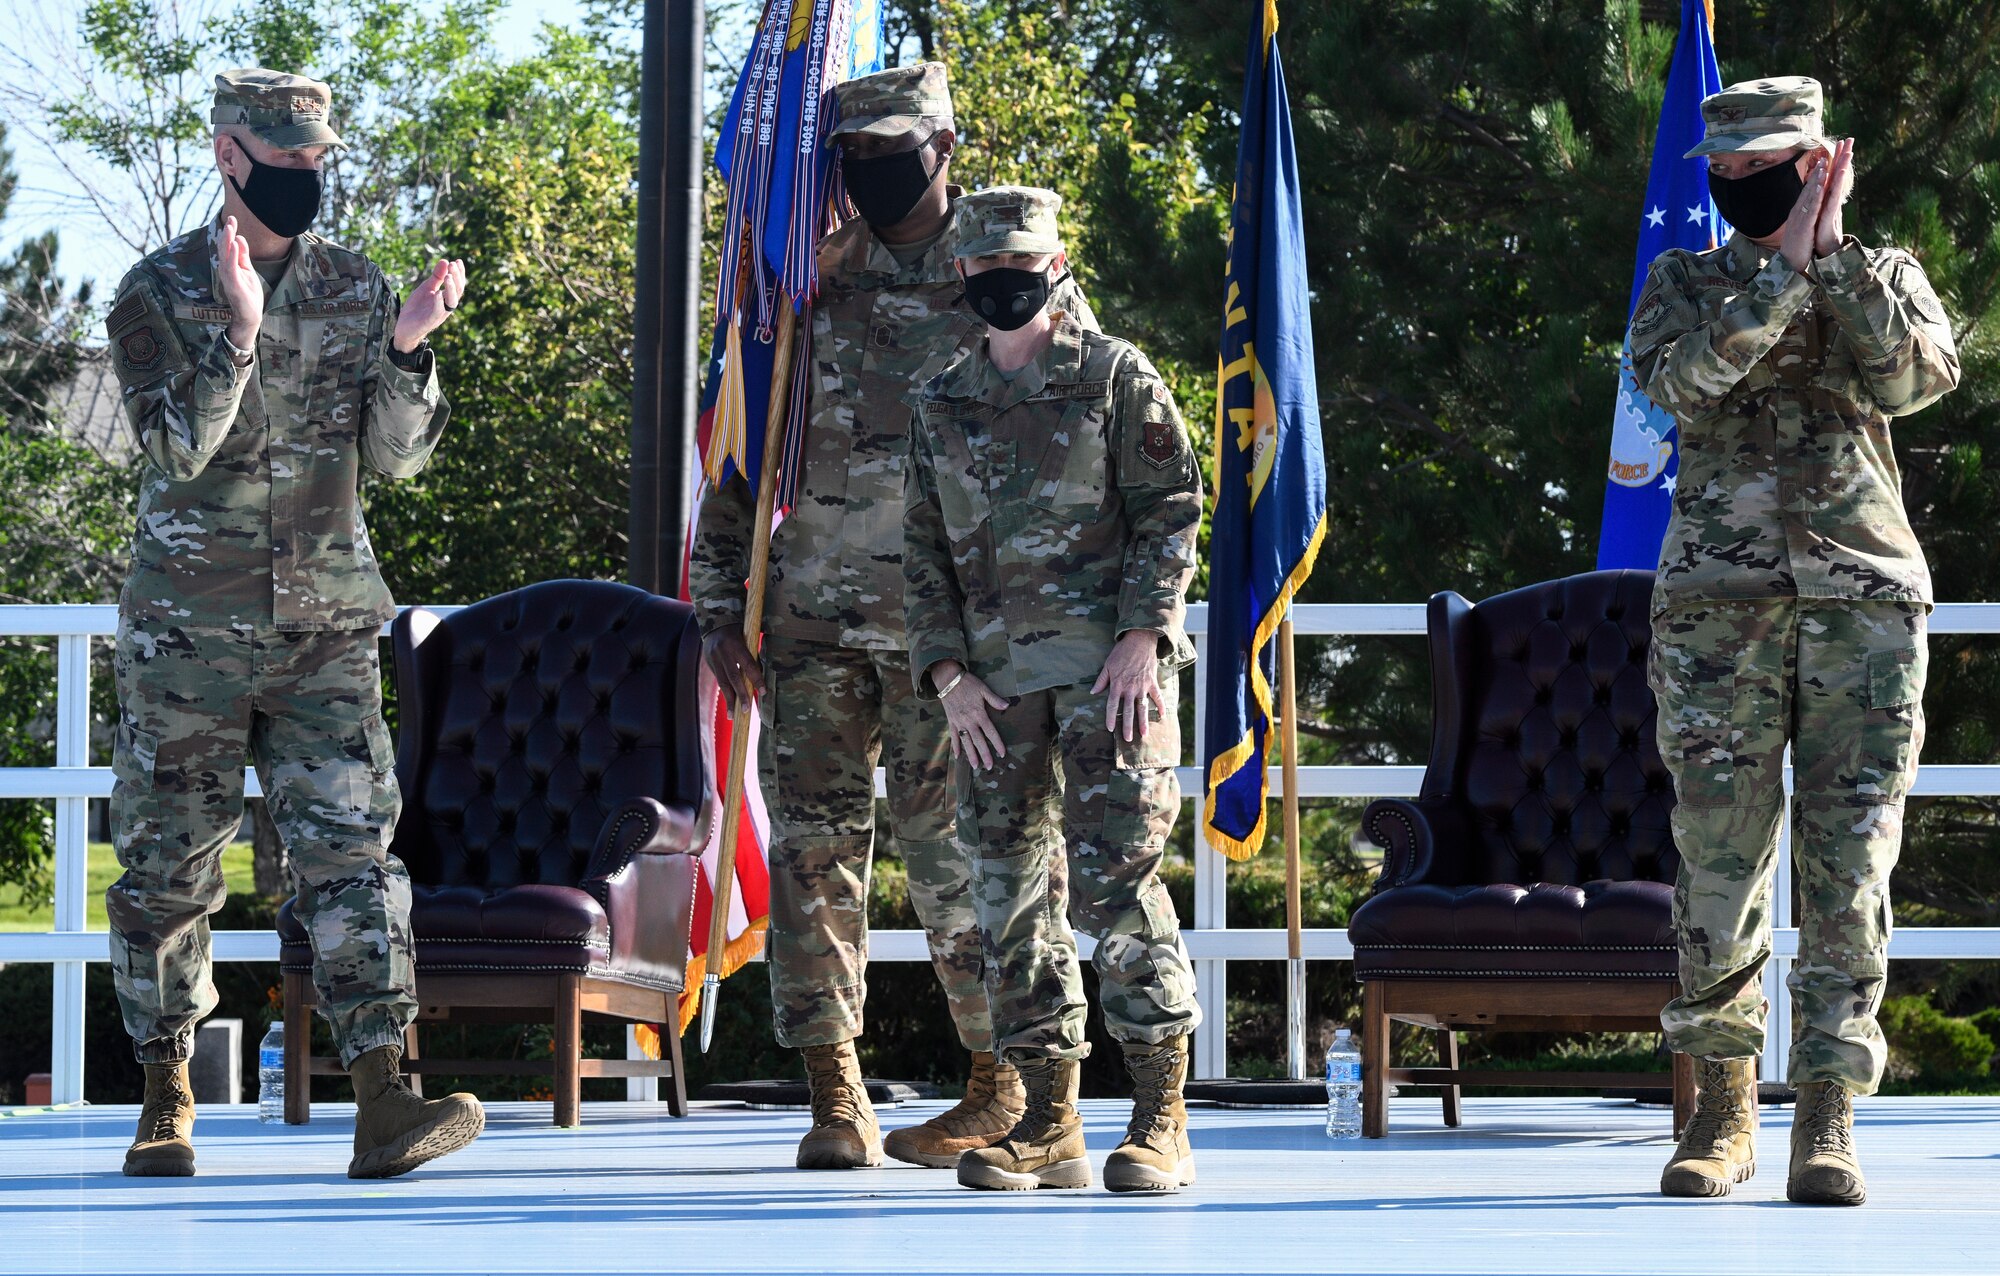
[{"x": 1641, "y": 452}]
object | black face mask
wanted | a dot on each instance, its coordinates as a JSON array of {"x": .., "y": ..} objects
[
  {"x": 1758, "y": 204},
  {"x": 884, "y": 189},
  {"x": 1007, "y": 298},
  {"x": 285, "y": 199}
]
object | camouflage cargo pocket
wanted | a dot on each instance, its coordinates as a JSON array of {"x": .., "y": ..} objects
[
  {"x": 1893, "y": 731},
  {"x": 1070, "y": 471},
  {"x": 1697, "y": 724},
  {"x": 1144, "y": 794},
  {"x": 381, "y": 749},
  {"x": 961, "y": 483},
  {"x": 133, "y": 753},
  {"x": 138, "y": 808}
]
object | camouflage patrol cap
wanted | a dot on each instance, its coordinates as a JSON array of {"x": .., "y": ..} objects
[
  {"x": 895, "y": 102},
  {"x": 1763, "y": 115},
  {"x": 281, "y": 109},
  {"x": 1006, "y": 219}
]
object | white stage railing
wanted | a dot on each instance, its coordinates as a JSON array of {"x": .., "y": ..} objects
[{"x": 1213, "y": 944}]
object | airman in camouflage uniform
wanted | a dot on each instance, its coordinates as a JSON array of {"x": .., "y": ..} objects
[
  {"x": 260, "y": 372},
  {"x": 1050, "y": 520},
  {"x": 1790, "y": 608},
  {"x": 836, "y": 691}
]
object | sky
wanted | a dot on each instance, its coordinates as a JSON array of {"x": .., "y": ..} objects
[{"x": 87, "y": 247}]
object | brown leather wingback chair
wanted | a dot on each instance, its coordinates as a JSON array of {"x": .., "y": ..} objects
[
  {"x": 553, "y": 783},
  {"x": 1530, "y": 884}
]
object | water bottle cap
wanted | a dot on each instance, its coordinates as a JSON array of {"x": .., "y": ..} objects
[{"x": 1341, "y": 1034}]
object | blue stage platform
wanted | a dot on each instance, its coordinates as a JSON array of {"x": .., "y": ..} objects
[{"x": 1532, "y": 1185}]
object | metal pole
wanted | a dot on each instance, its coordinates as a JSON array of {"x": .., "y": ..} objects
[
  {"x": 1295, "y": 965},
  {"x": 643, "y": 564},
  {"x": 666, "y": 292},
  {"x": 72, "y": 866},
  {"x": 1211, "y": 906},
  {"x": 1778, "y": 1018},
  {"x": 680, "y": 279}
]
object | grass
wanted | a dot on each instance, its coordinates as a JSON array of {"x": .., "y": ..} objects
[{"x": 16, "y": 914}]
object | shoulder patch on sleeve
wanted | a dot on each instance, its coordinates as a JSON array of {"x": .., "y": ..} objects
[
  {"x": 140, "y": 350},
  {"x": 1911, "y": 281},
  {"x": 129, "y": 308},
  {"x": 143, "y": 339},
  {"x": 1160, "y": 443}
]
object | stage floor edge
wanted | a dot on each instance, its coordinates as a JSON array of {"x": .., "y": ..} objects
[{"x": 1537, "y": 1185}]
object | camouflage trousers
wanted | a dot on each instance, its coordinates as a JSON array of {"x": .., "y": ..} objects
[
  {"x": 1068, "y": 793},
  {"x": 307, "y": 707},
  {"x": 1842, "y": 683},
  {"x": 830, "y": 715}
]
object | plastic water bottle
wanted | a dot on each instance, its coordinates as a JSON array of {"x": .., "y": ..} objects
[
  {"x": 1343, "y": 1087},
  {"x": 271, "y": 1074}
]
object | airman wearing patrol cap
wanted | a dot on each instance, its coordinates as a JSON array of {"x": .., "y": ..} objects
[
  {"x": 834, "y": 680},
  {"x": 261, "y": 367},
  {"x": 1050, "y": 517},
  {"x": 1790, "y": 609}
]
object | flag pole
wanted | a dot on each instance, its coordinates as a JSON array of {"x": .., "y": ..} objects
[
  {"x": 1295, "y": 963},
  {"x": 753, "y": 638}
]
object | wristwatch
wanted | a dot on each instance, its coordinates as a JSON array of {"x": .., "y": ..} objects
[{"x": 416, "y": 360}]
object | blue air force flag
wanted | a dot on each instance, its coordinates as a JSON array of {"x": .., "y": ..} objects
[
  {"x": 1639, "y": 494},
  {"x": 1270, "y": 474}
]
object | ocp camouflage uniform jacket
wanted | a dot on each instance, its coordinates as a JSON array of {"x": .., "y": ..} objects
[
  {"x": 1048, "y": 515},
  {"x": 1783, "y": 384},
  {"x": 249, "y": 503},
  {"x": 879, "y": 331}
]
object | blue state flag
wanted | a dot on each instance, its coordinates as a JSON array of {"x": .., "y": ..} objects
[
  {"x": 1645, "y": 460},
  {"x": 1270, "y": 472}
]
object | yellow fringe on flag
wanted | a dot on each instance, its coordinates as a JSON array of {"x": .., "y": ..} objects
[
  {"x": 1232, "y": 761},
  {"x": 734, "y": 954},
  {"x": 728, "y": 434}
]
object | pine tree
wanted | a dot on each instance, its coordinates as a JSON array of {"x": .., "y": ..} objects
[{"x": 1473, "y": 173}]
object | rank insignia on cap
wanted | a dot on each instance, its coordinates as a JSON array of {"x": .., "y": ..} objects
[
  {"x": 306, "y": 106},
  {"x": 1161, "y": 445},
  {"x": 1012, "y": 213},
  {"x": 140, "y": 348},
  {"x": 1731, "y": 114}
]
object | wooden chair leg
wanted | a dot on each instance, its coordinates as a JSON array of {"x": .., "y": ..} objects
[
  {"x": 677, "y": 1092},
  {"x": 1683, "y": 1065},
  {"x": 411, "y": 1051},
  {"x": 1374, "y": 1061},
  {"x": 569, "y": 1050},
  {"x": 1448, "y": 1057},
  {"x": 298, "y": 1047}
]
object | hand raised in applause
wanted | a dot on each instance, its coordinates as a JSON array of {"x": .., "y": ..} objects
[{"x": 430, "y": 305}]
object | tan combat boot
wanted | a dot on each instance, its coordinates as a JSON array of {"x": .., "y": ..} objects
[
  {"x": 1718, "y": 1149},
  {"x": 1155, "y": 1156},
  {"x": 993, "y": 1103},
  {"x": 1825, "y": 1170},
  {"x": 1045, "y": 1148},
  {"x": 163, "y": 1147},
  {"x": 394, "y": 1130},
  {"x": 844, "y": 1135}
]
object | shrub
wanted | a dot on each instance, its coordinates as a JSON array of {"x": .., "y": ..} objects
[{"x": 1924, "y": 1041}]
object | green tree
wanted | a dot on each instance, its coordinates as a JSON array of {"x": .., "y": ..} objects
[
  {"x": 1472, "y": 173},
  {"x": 57, "y": 528}
]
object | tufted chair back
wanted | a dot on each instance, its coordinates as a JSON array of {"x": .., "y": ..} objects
[
  {"x": 1543, "y": 733},
  {"x": 528, "y": 718}
]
